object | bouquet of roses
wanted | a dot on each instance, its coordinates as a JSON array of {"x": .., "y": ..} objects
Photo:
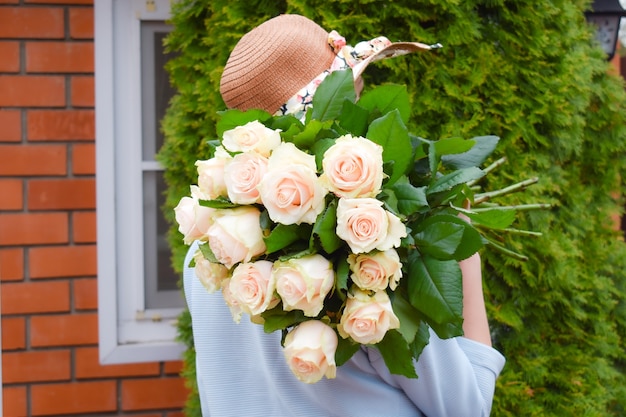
[{"x": 342, "y": 230}]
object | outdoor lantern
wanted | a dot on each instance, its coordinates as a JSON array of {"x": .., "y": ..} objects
[{"x": 606, "y": 16}]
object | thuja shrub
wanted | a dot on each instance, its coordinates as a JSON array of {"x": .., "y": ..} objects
[{"x": 526, "y": 71}]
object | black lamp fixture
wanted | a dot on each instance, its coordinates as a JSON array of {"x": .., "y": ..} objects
[{"x": 606, "y": 16}]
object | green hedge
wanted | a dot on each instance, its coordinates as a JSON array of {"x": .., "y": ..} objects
[{"x": 527, "y": 71}]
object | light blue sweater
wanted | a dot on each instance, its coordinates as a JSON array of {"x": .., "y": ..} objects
[{"x": 242, "y": 373}]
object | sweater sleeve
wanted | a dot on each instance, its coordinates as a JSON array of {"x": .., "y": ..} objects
[{"x": 455, "y": 377}]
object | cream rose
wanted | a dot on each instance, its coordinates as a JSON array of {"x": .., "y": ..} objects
[
  {"x": 290, "y": 190},
  {"x": 211, "y": 175},
  {"x": 353, "y": 167},
  {"x": 193, "y": 219},
  {"x": 252, "y": 286},
  {"x": 252, "y": 136},
  {"x": 367, "y": 318},
  {"x": 376, "y": 270},
  {"x": 235, "y": 235},
  {"x": 209, "y": 273},
  {"x": 365, "y": 225},
  {"x": 242, "y": 174},
  {"x": 303, "y": 283},
  {"x": 310, "y": 351},
  {"x": 235, "y": 309}
]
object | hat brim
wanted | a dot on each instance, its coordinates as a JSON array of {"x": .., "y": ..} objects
[{"x": 391, "y": 51}]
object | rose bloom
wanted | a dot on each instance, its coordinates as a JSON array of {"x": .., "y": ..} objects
[
  {"x": 364, "y": 225},
  {"x": 235, "y": 309},
  {"x": 235, "y": 235},
  {"x": 303, "y": 283},
  {"x": 252, "y": 136},
  {"x": 193, "y": 219},
  {"x": 211, "y": 175},
  {"x": 242, "y": 174},
  {"x": 366, "y": 318},
  {"x": 310, "y": 351},
  {"x": 290, "y": 190},
  {"x": 353, "y": 167},
  {"x": 376, "y": 270},
  {"x": 210, "y": 274},
  {"x": 252, "y": 286}
]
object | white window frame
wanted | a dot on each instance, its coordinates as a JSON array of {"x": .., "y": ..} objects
[{"x": 127, "y": 331}]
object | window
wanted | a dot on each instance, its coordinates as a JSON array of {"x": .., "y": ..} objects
[{"x": 138, "y": 296}]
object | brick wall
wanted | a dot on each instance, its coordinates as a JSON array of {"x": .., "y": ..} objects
[{"x": 48, "y": 227}]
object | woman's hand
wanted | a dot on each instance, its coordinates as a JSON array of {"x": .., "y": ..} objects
[{"x": 475, "y": 323}]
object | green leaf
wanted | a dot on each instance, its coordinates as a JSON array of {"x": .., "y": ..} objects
[
  {"x": 439, "y": 240},
  {"x": 387, "y": 98},
  {"x": 284, "y": 235},
  {"x": 432, "y": 228},
  {"x": 306, "y": 138},
  {"x": 410, "y": 199},
  {"x": 279, "y": 319},
  {"x": 408, "y": 315},
  {"x": 397, "y": 354},
  {"x": 435, "y": 289},
  {"x": 390, "y": 132},
  {"x": 450, "y": 146},
  {"x": 345, "y": 349},
  {"x": 287, "y": 124},
  {"x": 325, "y": 228},
  {"x": 494, "y": 218},
  {"x": 208, "y": 253},
  {"x": 460, "y": 176},
  {"x": 232, "y": 118},
  {"x": 342, "y": 275},
  {"x": 421, "y": 340},
  {"x": 483, "y": 147},
  {"x": 331, "y": 93},
  {"x": 218, "y": 203},
  {"x": 354, "y": 118}
]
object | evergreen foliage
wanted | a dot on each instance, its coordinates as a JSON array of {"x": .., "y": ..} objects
[{"x": 527, "y": 71}]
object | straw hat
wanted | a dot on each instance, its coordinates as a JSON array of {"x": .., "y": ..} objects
[{"x": 273, "y": 61}]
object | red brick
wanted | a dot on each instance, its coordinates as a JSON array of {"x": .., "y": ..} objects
[
  {"x": 35, "y": 297},
  {"x": 32, "y": 22},
  {"x": 13, "y": 333},
  {"x": 64, "y": 330},
  {"x": 74, "y": 398},
  {"x": 10, "y": 53},
  {"x": 11, "y": 264},
  {"x": 14, "y": 401},
  {"x": 32, "y": 90},
  {"x": 11, "y": 195},
  {"x": 84, "y": 230},
  {"x": 62, "y": 261},
  {"x": 71, "y": 57},
  {"x": 60, "y": 125},
  {"x": 153, "y": 394},
  {"x": 35, "y": 366},
  {"x": 85, "y": 294},
  {"x": 83, "y": 91},
  {"x": 84, "y": 159},
  {"x": 81, "y": 23},
  {"x": 60, "y": 1},
  {"x": 11, "y": 122},
  {"x": 88, "y": 366},
  {"x": 176, "y": 414},
  {"x": 173, "y": 367},
  {"x": 33, "y": 228},
  {"x": 31, "y": 160},
  {"x": 61, "y": 194},
  {"x": 9, "y": 1}
]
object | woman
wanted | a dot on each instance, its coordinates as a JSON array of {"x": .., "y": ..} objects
[{"x": 241, "y": 370}]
